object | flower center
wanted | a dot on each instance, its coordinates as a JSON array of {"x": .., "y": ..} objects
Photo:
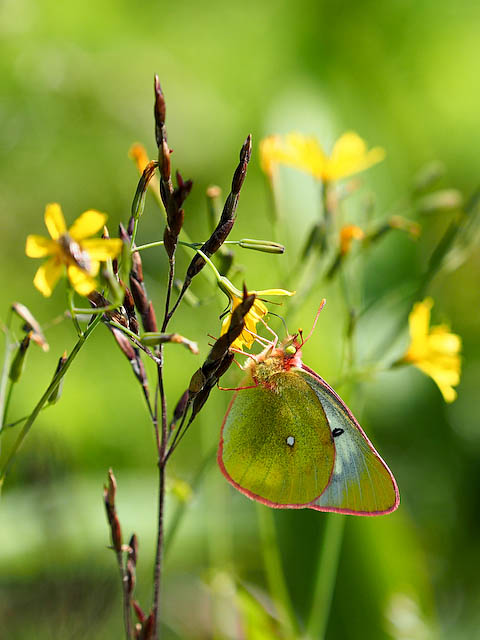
[{"x": 73, "y": 252}]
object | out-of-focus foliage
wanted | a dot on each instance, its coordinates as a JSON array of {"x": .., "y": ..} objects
[{"x": 76, "y": 92}]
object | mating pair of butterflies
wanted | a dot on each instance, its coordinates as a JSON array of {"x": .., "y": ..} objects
[{"x": 289, "y": 441}]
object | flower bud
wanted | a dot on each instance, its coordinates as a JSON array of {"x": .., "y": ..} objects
[
  {"x": 138, "y": 203},
  {"x": 18, "y": 362},
  {"x": 441, "y": 201},
  {"x": 266, "y": 246},
  {"x": 57, "y": 392}
]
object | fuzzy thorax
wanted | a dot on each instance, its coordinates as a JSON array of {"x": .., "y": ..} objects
[{"x": 265, "y": 367}]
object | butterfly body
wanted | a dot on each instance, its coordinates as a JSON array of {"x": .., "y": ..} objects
[{"x": 289, "y": 441}]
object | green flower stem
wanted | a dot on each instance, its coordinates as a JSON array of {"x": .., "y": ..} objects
[
  {"x": 277, "y": 585},
  {"x": 217, "y": 274},
  {"x": 44, "y": 399},
  {"x": 135, "y": 339},
  {"x": 10, "y": 425},
  {"x": 7, "y": 404},
  {"x": 134, "y": 233},
  {"x": 9, "y": 346},
  {"x": 325, "y": 577},
  {"x": 76, "y": 324}
]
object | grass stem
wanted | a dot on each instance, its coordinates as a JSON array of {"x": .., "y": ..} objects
[
  {"x": 326, "y": 576},
  {"x": 274, "y": 571}
]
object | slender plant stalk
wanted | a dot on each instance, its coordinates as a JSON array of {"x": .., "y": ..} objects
[
  {"x": 44, "y": 399},
  {"x": 9, "y": 425},
  {"x": 162, "y": 439},
  {"x": 325, "y": 577},
  {"x": 5, "y": 370},
  {"x": 274, "y": 571},
  {"x": 7, "y": 403}
]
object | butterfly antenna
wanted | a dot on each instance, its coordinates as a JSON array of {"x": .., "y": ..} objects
[
  {"x": 322, "y": 304},
  {"x": 270, "y": 313}
]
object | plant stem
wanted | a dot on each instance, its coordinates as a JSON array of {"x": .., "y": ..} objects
[
  {"x": 7, "y": 404},
  {"x": 325, "y": 576},
  {"x": 73, "y": 314},
  {"x": 44, "y": 399},
  {"x": 274, "y": 572},
  {"x": 157, "y": 576},
  {"x": 5, "y": 371}
]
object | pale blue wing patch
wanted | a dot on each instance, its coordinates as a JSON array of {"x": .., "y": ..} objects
[{"x": 361, "y": 483}]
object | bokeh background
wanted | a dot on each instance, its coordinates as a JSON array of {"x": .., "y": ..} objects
[{"x": 76, "y": 92}]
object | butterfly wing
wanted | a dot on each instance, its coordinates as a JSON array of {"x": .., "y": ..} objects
[
  {"x": 361, "y": 482},
  {"x": 276, "y": 446}
]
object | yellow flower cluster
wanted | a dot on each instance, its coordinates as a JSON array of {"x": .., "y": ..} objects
[{"x": 349, "y": 155}]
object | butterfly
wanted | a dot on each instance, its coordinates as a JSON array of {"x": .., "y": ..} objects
[{"x": 289, "y": 441}]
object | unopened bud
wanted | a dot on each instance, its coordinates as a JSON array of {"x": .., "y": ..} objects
[
  {"x": 441, "y": 201},
  {"x": 213, "y": 206},
  {"x": 18, "y": 362},
  {"x": 197, "y": 381},
  {"x": 180, "y": 409},
  {"x": 31, "y": 324},
  {"x": 413, "y": 228},
  {"x": 153, "y": 338},
  {"x": 138, "y": 203},
  {"x": 261, "y": 245},
  {"x": 57, "y": 392}
]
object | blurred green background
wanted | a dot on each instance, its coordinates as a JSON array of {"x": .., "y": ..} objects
[{"x": 76, "y": 92}]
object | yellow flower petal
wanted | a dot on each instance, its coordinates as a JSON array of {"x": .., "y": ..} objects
[
  {"x": 257, "y": 312},
  {"x": 139, "y": 155},
  {"x": 419, "y": 321},
  {"x": 274, "y": 292},
  {"x": 87, "y": 224},
  {"x": 443, "y": 341},
  {"x": 54, "y": 220},
  {"x": 270, "y": 154},
  {"x": 350, "y": 156},
  {"x": 435, "y": 350},
  {"x": 304, "y": 153},
  {"x": 82, "y": 282},
  {"x": 102, "y": 249},
  {"x": 47, "y": 276},
  {"x": 39, "y": 247}
]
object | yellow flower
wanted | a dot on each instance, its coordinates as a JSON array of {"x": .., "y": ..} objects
[
  {"x": 348, "y": 233},
  {"x": 434, "y": 350},
  {"x": 253, "y": 317},
  {"x": 270, "y": 148},
  {"x": 73, "y": 248},
  {"x": 349, "y": 155}
]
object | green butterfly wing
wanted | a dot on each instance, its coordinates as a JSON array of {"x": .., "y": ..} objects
[
  {"x": 361, "y": 482},
  {"x": 276, "y": 445}
]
